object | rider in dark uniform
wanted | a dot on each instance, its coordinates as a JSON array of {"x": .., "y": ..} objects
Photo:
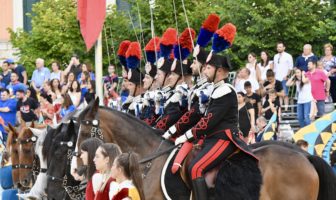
[{"x": 218, "y": 127}]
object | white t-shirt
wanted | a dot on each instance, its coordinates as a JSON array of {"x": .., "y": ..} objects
[
  {"x": 239, "y": 86},
  {"x": 282, "y": 63},
  {"x": 263, "y": 70},
  {"x": 304, "y": 93},
  {"x": 253, "y": 71}
]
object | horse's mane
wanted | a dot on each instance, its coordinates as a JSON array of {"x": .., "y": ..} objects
[
  {"x": 48, "y": 141},
  {"x": 136, "y": 121}
]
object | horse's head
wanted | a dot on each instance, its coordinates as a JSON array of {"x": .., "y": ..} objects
[
  {"x": 13, "y": 151},
  {"x": 27, "y": 161},
  {"x": 59, "y": 159},
  {"x": 41, "y": 135}
]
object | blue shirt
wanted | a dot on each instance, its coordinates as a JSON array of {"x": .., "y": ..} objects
[
  {"x": 92, "y": 77},
  {"x": 19, "y": 69},
  {"x": 18, "y": 86},
  {"x": 40, "y": 76},
  {"x": 65, "y": 111},
  {"x": 302, "y": 62},
  {"x": 9, "y": 117},
  {"x": 6, "y": 78}
]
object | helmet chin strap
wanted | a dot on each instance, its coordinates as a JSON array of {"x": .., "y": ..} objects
[
  {"x": 135, "y": 89},
  {"x": 213, "y": 80}
]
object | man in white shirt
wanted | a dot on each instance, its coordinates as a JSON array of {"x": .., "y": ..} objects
[
  {"x": 244, "y": 75},
  {"x": 283, "y": 65}
]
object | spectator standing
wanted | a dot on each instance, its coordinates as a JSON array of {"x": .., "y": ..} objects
[
  {"x": 329, "y": 64},
  {"x": 246, "y": 115},
  {"x": 253, "y": 67},
  {"x": 244, "y": 75},
  {"x": 40, "y": 75},
  {"x": 56, "y": 72},
  {"x": 86, "y": 67},
  {"x": 26, "y": 107},
  {"x": 74, "y": 66},
  {"x": 7, "y": 110},
  {"x": 110, "y": 84},
  {"x": 91, "y": 94},
  {"x": 264, "y": 65},
  {"x": 19, "y": 70},
  {"x": 253, "y": 98},
  {"x": 320, "y": 85},
  {"x": 67, "y": 84},
  {"x": 283, "y": 65},
  {"x": 272, "y": 83},
  {"x": 271, "y": 105},
  {"x": 67, "y": 106},
  {"x": 125, "y": 170},
  {"x": 104, "y": 157},
  {"x": 75, "y": 93},
  {"x": 5, "y": 76},
  {"x": 305, "y": 97},
  {"x": 301, "y": 62},
  {"x": 47, "y": 110},
  {"x": 15, "y": 85}
]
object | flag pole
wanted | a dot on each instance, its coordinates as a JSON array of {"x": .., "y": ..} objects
[{"x": 99, "y": 68}]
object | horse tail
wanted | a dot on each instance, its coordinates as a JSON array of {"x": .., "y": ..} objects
[
  {"x": 327, "y": 178},
  {"x": 239, "y": 177}
]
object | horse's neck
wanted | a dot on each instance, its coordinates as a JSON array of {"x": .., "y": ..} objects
[{"x": 131, "y": 137}]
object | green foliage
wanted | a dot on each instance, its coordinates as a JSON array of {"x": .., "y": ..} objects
[{"x": 260, "y": 24}]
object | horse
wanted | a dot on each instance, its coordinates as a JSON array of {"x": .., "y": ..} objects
[
  {"x": 60, "y": 184},
  {"x": 37, "y": 137},
  {"x": 13, "y": 150},
  {"x": 124, "y": 130}
]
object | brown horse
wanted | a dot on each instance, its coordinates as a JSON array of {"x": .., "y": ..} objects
[
  {"x": 287, "y": 173},
  {"x": 13, "y": 150}
]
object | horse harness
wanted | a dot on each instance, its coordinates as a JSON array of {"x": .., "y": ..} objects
[
  {"x": 95, "y": 131},
  {"x": 72, "y": 191}
]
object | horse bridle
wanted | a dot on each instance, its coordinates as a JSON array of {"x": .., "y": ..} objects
[
  {"x": 72, "y": 191},
  {"x": 95, "y": 131}
]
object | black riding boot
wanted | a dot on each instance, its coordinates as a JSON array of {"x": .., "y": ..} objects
[{"x": 200, "y": 189}]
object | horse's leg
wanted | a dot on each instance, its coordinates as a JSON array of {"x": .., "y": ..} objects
[{"x": 286, "y": 175}]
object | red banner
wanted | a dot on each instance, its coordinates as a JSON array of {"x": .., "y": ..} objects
[{"x": 91, "y": 16}]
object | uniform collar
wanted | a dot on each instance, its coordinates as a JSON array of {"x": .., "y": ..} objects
[{"x": 222, "y": 82}]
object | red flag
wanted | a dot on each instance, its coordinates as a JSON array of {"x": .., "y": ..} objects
[{"x": 91, "y": 16}]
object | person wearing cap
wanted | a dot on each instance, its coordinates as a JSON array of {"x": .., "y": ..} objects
[
  {"x": 19, "y": 70},
  {"x": 218, "y": 128},
  {"x": 177, "y": 104},
  {"x": 40, "y": 75},
  {"x": 26, "y": 108}
]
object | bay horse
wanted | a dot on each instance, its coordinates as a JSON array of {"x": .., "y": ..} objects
[
  {"x": 283, "y": 169},
  {"x": 34, "y": 136},
  {"x": 12, "y": 147}
]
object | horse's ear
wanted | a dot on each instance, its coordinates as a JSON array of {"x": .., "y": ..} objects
[
  {"x": 93, "y": 108},
  {"x": 12, "y": 129},
  {"x": 6, "y": 129},
  {"x": 37, "y": 132}
]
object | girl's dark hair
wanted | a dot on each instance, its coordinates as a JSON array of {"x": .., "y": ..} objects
[
  {"x": 57, "y": 64},
  {"x": 90, "y": 145},
  {"x": 300, "y": 80},
  {"x": 87, "y": 76},
  {"x": 110, "y": 150},
  {"x": 93, "y": 85},
  {"x": 129, "y": 162},
  {"x": 67, "y": 101},
  {"x": 241, "y": 93},
  {"x": 33, "y": 93},
  {"x": 52, "y": 87},
  {"x": 46, "y": 96},
  {"x": 78, "y": 86},
  {"x": 88, "y": 66},
  {"x": 263, "y": 63}
]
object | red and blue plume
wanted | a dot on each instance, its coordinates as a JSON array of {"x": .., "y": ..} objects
[
  {"x": 209, "y": 26},
  {"x": 223, "y": 38},
  {"x": 133, "y": 55},
  {"x": 122, "y": 51},
  {"x": 152, "y": 49},
  {"x": 167, "y": 42},
  {"x": 185, "y": 44}
]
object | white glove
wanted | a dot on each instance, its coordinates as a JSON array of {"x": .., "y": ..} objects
[
  {"x": 167, "y": 135},
  {"x": 183, "y": 89},
  {"x": 183, "y": 138},
  {"x": 158, "y": 96}
]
